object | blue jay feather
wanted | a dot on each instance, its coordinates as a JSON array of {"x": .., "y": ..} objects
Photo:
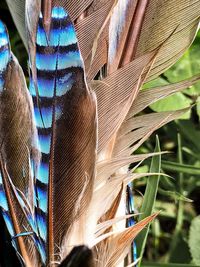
[
  {"x": 65, "y": 116},
  {"x": 4, "y": 59},
  {"x": 16, "y": 141},
  {"x": 131, "y": 221},
  {"x": 4, "y": 54},
  {"x": 5, "y": 209}
]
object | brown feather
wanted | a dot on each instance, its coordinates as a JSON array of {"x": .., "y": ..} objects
[
  {"x": 25, "y": 245},
  {"x": 17, "y": 129}
]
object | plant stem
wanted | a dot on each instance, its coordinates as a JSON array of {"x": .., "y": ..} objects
[{"x": 180, "y": 204}]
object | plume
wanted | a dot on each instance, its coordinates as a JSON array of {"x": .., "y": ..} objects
[
  {"x": 16, "y": 138},
  {"x": 66, "y": 176},
  {"x": 65, "y": 114}
]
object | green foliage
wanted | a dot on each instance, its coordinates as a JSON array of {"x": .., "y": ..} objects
[
  {"x": 167, "y": 104},
  {"x": 149, "y": 199},
  {"x": 194, "y": 240},
  {"x": 169, "y": 237},
  {"x": 186, "y": 67},
  {"x": 184, "y": 168}
]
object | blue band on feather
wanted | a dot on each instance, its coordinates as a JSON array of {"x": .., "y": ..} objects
[
  {"x": 4, "y": 59},
  {"x": 46, "y": 86},
  {"x": 43, "y": 117},
  {"x": 4, "y": 52},
  {"x": 2, "y": 27},
  {"x": 3, "y": 201},
  {"x": 8, "y": 223},
  {"x": 60, "y": 61},
  {"x": 45, "y": 143},
  {"x": 3, "y": 39},
  {"x": 41, "y": 225},
  {"x": 43, "y": 173},
  {"x": 42, "y": 199},
  {"x": 59, "y": 13},
  {"x": 61, "y": 37}
]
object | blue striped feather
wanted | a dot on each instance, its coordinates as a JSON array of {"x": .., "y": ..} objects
[
  {"x": 5, "y": 209},
  {"x": 17, "y": 199},
  {"x": 57, "y": 60},
  {"x": 4, "y": 59},
  {"x": 4, "y": 53},
  {"x": 131, "y": 221}
]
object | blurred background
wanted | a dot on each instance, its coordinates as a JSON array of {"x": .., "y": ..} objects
[{"x": 175, "y": 235}]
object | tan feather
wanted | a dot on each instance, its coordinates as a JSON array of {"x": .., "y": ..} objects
[{"x": 115, "y": 248}]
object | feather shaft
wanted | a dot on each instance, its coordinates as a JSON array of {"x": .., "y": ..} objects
[
  {"x": 46, "y": 12},
  {"x": 13, "y": 215}
]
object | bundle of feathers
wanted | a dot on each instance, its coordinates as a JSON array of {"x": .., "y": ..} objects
[{"x": 67, "y": 141}]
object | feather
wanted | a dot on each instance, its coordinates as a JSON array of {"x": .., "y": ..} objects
[
  {"x": 16, "y": 138},
  {"x": 17, "y": 9},
  {"x": 151, "y": 16},
  {"x": 130, "y": 208},
  {"x": 65, "y": 113},
  {"x": 126, "y": 24},
  {"x": 108, "y": 91},
  {"x": 18, "y": 220},
  {"x": 118, "y": 243},
  {"x": 150, "y": 96},
  {"x": 130, "y": 138},
  {"x": 18, "y": 132}
]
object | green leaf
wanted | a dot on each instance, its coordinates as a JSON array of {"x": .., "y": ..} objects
[
  {"x": 167, "y": 104},
  {"x": 180, "y": 251},
  {"x": 194, "y": 240},
  {"x": 190, "y": 131},
  {"x": 149, "y": 199},
  {"x": 154, "y": 83},
  {"x": 186, "y": 67},
  {"x": 177, "y": 167},
  {"x": 174, "y": 195},
  {"x": 198, "y": 106},
  {"x": 167, "y": 183}
]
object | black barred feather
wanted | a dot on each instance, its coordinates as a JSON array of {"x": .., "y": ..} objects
[{"x": 65, "y": 114}]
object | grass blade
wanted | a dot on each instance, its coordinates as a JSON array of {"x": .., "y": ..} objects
[
  {"x": 149, "y": 199},
  {"x": 180, "y": 168}
]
